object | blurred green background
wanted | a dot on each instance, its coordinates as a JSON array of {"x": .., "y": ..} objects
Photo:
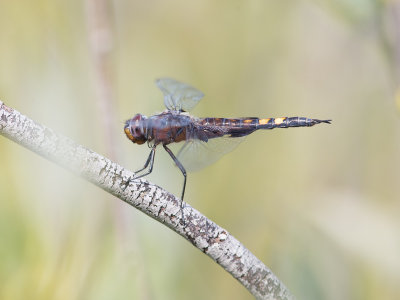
[{"x": 319, "y": 206}]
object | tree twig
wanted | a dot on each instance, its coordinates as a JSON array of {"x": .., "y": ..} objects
[{"x": 157, "y": 203}]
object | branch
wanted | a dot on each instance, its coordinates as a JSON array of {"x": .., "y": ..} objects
[{"x": 157, "y": 203}]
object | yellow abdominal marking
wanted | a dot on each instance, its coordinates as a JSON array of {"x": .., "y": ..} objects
[
  {"x": 263, "y": 121},
  {"x": 279, "y": 120},
  {"x": 247, "y": 121}
]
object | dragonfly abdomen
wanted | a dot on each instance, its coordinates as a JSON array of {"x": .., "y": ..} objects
[
  {"x": 286, "y": 122},
  {"x": 245, "y": 126}
]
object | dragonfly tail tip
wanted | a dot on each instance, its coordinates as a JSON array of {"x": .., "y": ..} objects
[{"x": 322, "y": 121}]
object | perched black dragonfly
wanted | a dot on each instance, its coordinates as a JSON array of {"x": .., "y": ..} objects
[{"x": 204, "y": 140}]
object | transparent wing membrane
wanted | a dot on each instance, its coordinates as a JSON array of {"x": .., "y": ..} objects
[
  {"x": 195, "y": 154},
  {"x": 177, "y": 95}
]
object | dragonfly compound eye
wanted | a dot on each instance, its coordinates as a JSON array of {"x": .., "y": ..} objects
[{"x": 134, "y": 129}]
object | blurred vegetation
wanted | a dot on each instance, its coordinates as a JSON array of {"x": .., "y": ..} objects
[{"x": 319, "y": 206}]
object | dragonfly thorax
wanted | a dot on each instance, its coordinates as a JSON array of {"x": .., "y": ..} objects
[{"x": 135, "y": 129}]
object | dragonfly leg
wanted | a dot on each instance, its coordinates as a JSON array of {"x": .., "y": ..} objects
[
  {"x": 180, "y": 166},
  {"x": 150, "y": 160}
]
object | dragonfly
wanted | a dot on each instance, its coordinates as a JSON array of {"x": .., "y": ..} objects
[{"x": 204, "y": 140}]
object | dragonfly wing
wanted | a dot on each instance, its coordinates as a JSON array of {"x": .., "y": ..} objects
[
  {"x": 177, "y": 95},
  {"x": 196, "y": 154}
]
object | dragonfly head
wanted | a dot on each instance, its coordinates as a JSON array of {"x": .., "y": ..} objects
[{"x": 135, "y": 130}]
